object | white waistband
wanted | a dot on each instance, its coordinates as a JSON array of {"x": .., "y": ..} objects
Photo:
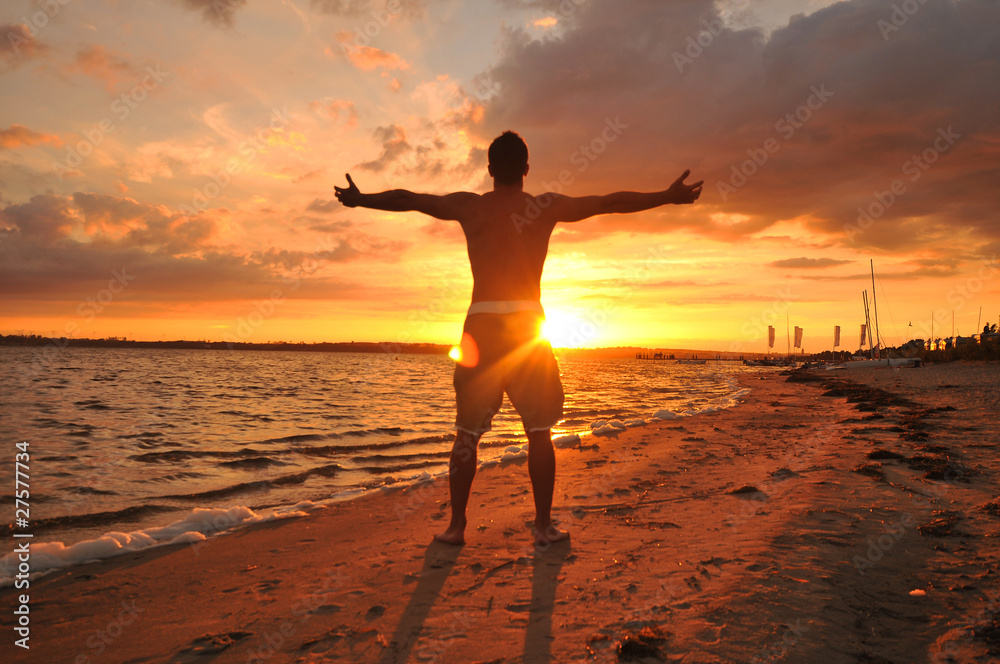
[{"x": 505, "y": 307}]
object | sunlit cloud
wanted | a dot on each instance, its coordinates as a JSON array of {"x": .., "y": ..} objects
[
  {"x": 367, "y": 58},
  {"x": 18, "y": 135},
  {"x": 809, "y": 263},
  {"x": 105, "y": 65}
]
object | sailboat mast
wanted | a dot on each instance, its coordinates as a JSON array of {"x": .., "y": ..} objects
[
  {"x": 878, "y": 337},
  {"x": 868, "y": 324}
]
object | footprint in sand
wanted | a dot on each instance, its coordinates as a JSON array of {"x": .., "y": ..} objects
[
  {"x": 267, "y": 586},
  {"x": 345, "y": 643},
  {"x": 325, "y": 609},
  {"x": 208, "y": 644}
]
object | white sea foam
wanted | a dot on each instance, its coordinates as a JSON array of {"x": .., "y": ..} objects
[
  {"x": 200, "y": 524},
  {"x": 603, "y": 427},
  {"x": 513, "y": 453},
  {"x": 562, "y": 442}
]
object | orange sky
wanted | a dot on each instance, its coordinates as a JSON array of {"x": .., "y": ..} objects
[{"x": 167, "y": 167}]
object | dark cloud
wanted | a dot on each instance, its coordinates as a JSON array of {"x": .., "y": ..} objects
[
  {"x": 394, "y": 145},
  {"x": 17, "y": 43},
  {"x": 219, "y": 12},
  {"x": 45, "y": 218},
  {"x": 822, "y": 116},
  {"x": 380, "y": 12},
  {"x": 809, "y": 263}
]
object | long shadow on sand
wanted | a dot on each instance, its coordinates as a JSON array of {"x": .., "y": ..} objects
[
  {"x": 538, "y": 635},
  {"x": 439, "y": 559}
]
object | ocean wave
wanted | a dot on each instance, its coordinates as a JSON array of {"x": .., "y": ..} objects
[
  {"x": 253, "y": 462},
  {"x": 197, "y": 526},
  {"x": 328, "y": 470},
  {"x": 94, "y": 519}
]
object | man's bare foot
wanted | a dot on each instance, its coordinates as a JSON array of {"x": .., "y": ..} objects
[
  {"x": 546, "y": 537},
  {"x": 454, "y": 535}
]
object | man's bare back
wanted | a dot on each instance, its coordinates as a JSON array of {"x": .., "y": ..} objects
[{"x": 506, "y": 257}]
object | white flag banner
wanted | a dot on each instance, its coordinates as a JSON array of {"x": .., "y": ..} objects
[{"x": 836, "y": 336}]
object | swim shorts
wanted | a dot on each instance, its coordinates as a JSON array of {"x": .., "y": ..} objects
[{"x": 504, "y": 353}]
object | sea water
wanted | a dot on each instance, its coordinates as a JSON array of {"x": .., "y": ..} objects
[{"x": 134, "y": 447}]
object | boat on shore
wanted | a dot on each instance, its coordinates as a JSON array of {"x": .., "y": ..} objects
[{"x": 875, "y": 342}]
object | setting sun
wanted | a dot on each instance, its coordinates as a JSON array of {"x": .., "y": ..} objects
[{"x": 564, "y": 330}]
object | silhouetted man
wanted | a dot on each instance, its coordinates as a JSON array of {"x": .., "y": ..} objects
[{"x": 507, "y": 232}]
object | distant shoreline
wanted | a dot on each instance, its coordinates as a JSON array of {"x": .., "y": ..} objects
[
  {"x": 622, "y": 352},
  {"x": 318, "y": 347}
]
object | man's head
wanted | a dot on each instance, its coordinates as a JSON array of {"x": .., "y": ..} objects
[{"x": 508, "y": 157}]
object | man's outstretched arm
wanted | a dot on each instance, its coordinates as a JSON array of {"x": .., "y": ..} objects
[
  {"x": 449, "y": 206},
  {"x": 568, "y": 208}
]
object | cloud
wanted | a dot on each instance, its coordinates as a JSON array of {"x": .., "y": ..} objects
[
  {"x": 394, "y": 145},
  {"x": 335, "y": 109},
  {"x": 59, "y": 247},
  {"x": 809, "y": 263},
  {"x": 219, "y": 12},
  {"x": 340, "y": 249},
  {"x": 310, "y": 175},
  {"x": 367, "y": 58},
  {"x": 331, "y": 226},
  {"x": 18, "y": 135},
  {"x": 45, "y": 218},
  {"x": 379, "y": 13},
  {"x": 806, "y": 124},
  {"x": 104, "y": 64},
  {"x": 17, "y": 43},
  {"x": 547, "y": 22},
  {"x": 324, "y": 205}
]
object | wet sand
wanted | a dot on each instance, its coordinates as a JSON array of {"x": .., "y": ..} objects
[{"x": 829, "y": 518}]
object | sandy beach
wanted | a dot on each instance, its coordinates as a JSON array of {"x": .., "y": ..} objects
[{"x": 831, "y": 517}]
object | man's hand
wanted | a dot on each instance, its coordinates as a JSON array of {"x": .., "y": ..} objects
[
  {"x": 351, "y": 196},
  {"x": 684, "y": 194}
]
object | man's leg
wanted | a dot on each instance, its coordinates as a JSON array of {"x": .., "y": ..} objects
[
  {"x": 461, "y": 472},
  {"x": 542, "y": 471}
]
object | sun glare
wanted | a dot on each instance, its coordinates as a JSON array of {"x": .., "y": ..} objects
[{"x": 564, "y": 330}]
